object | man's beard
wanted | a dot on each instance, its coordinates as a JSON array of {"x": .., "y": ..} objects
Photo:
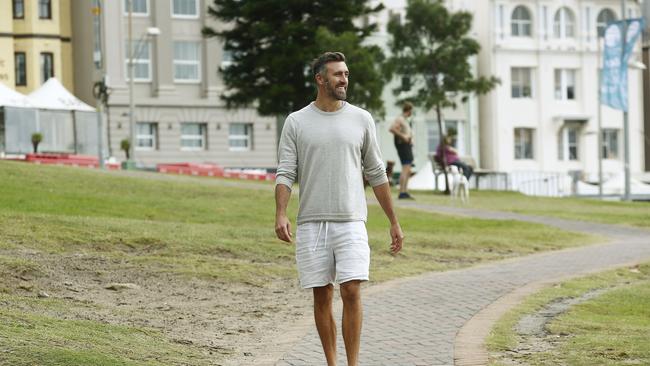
[{"x": 336, "y": 93}]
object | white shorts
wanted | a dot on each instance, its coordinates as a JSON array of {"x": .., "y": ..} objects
[{"x": 328, "y": 252}]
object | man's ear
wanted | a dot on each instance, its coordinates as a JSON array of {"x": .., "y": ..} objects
[{"x": 319, "y": 79}]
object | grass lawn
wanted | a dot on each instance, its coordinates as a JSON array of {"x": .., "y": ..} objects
[
  {"x": 226, "y": 233},
  {"x": 185, "y": 228},
  {"x": 610, "y": 329},
  {"x": 608, "y": 212}
]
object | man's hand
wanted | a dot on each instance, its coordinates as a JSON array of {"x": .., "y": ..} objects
[
  {"x": 283, "y": 228},
  {"x": 397, "y": 238}
]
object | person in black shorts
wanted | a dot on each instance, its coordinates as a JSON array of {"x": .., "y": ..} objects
[{"x": 404, "y": 145}]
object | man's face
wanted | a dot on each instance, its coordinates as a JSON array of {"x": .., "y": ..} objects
[{"x": 336, "y": 80}]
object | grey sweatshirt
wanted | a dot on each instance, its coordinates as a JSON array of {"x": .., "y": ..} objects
[{"x": 327, "y": 153}]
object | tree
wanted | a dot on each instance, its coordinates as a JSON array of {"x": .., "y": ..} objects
[
  {"x": 272, "y": 43},
  {"x": 432, "y": 47},
  {"x": 36, "y": 139}
]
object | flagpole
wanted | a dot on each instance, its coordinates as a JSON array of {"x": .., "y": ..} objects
[
  {"x": 626, "y": 122},
  {"x": 599, "y": 133}
]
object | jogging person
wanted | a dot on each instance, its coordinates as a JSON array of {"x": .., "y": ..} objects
[
  {"x": 404, "y": 145},
  {"x": 326, "y": 147}
]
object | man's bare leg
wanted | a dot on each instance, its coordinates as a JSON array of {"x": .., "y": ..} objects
[
  {"x": 404, "y": 178},
  {"x": 325, "y": 321},
  {"x": 352, "y": 319}
]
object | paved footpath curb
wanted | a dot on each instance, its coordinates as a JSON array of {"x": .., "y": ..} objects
[{"x": 416, "y": 321}]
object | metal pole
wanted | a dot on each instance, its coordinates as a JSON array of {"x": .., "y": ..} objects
[
  {"x": 97, "y": 11},
  {"x": 100, "y": 138},
  {"x": 131, "y": 77},
  {"x": 626, "y": 123},
  {"x": 599, "y": 133}
]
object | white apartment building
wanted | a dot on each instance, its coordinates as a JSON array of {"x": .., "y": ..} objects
[
  {"x": 178, "y": 111},
  {"x": 543, "y": 117}
]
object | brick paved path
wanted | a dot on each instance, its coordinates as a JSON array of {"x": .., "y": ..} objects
[{"x": 415, "y": 321}]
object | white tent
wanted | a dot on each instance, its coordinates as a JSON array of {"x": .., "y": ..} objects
[
  {"x": 17, "y": 121},
  {"x": 53, "y": 95},
  {"x": 12, "y": 98}
]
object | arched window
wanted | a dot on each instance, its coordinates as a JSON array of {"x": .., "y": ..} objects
[
  {"x": 521, "y": 22},
  {"x": 564, "y": 23},
  {"x": 604, "y": 17}
]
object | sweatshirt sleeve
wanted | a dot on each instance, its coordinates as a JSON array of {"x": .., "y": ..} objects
[
  {"x": 287, "y": 155},
  {"x": 373, "y": 165}
]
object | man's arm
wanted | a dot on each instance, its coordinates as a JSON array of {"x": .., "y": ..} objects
[
  {"x": 382, "y": 192},
  {"x": 282, "y": 223}
]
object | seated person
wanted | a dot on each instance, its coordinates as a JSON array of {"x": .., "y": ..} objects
[{"x": 452, "y": 158}]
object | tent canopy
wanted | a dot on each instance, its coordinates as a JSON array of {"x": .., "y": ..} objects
[
  {"x": 12, "y": 98},
  {"x": 53, "y": 95}
]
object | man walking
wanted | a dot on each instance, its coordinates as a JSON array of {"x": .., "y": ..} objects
[
  {"x": 328, "y": 147},
  {"x": 404, "y": 145}
]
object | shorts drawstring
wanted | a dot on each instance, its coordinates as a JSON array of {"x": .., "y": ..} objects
[{"x": 320, "y": 227}]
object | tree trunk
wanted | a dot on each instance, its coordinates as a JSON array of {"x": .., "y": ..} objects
[{"x": 443, "y": 146}]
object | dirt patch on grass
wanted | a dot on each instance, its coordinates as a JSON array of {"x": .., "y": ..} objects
[
  {"x": 223, "y": 320},
  {"x": 532, "y": 333}
]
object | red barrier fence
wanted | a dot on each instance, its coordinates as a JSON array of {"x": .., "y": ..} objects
[
  {"x": 212, "y": 170},
  {"x": 85, "y": 161}
]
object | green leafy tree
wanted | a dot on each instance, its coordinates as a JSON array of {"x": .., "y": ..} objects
[
  {"x": 433, "y": 48},
  {"x": 272, "y": 43}
]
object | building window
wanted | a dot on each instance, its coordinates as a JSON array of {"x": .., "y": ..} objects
[
  {"x": 406, "y": 83},
  {"x": 19, "y": 9},
  {"x": 226, "y": 58},
  {"x": 453, "y": 128},
  {"x": 521, "y": 24},
  {"x": 45, "y": 9},
  {"x": 47, "y": 66},
  {"x": 565, "y": 84},
  {"x": 610, "y": 143},
  {"x": 521, "y": 82},
  {"x": 605, "y": 17},
  {"x": 141, "y": 61},
  {"x": 569, "y": 142},
  {"x": 185, "y": 8},
  {"x": 20, "y": 62},
  {"x": 240, "y": 137},
  {"x": 140, "y": 7},
  {"x": 564, "y": 24},
  {"x": 193, "y": 136},
  {"x": 187, "y": 61},
  {"x": 146, "y": 136},
  {"x": 523, "y": 143}
]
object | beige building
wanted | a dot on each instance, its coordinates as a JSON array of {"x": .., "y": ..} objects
[
  {"x": 35, "y": 43},
  {"x": 178, "y": 111}
]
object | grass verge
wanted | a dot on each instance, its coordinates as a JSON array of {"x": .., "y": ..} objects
[
  {"x": 28, "y": 337},
  {"x": 611, "y": 329},
  {"x": 583, "y": 209}
]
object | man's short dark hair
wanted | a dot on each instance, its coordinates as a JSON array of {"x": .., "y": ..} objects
[
  {"x": 407, "y": 106},
  {"x": 318, "y": 65}
]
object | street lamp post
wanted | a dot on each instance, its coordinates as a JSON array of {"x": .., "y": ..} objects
[
  {"x": 134, "y": 50},
  {"x": 131, "y": 102},
  {"x": 626, "y": 122}
]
